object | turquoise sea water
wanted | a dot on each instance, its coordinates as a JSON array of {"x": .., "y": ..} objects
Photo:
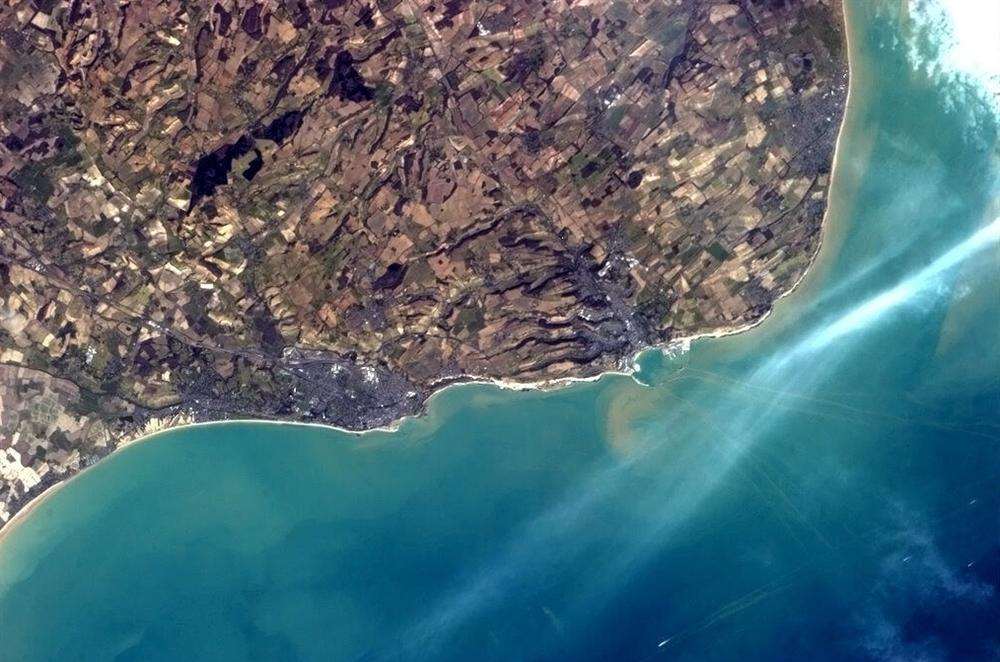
[{"x": 824, "y": 487}]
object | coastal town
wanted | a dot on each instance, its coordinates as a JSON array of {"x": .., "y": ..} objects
[{"x": 326, "y": 212}]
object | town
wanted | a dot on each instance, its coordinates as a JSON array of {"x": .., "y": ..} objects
[{"x": 325, "y": 213}]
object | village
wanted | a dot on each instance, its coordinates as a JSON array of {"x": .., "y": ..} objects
[{"x": 325, "y": 214}]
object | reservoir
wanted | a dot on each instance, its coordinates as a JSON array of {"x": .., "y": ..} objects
[{"x": 823, "y": 487}]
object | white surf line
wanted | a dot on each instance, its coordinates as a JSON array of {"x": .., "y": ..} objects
[
  {"x": 798, "y": 365},
  {"x": 541, "y": 546},
  {"x": 544, "y": 540}
]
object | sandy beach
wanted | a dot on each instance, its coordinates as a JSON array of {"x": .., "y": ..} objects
[{"x": 157, "y": 427}]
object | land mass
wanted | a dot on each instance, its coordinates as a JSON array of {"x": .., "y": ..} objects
[{"x": 326, "y": 211}]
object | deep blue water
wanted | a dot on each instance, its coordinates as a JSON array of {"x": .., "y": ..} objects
[{"x": 824, "y": 487}]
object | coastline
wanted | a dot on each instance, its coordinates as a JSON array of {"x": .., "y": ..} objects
[
  {"x": 23, "y": 513},
  {"x": 147, "y": 433},
  {"x": 684, "y": 342},
  {"x": 156, "y": 427}
]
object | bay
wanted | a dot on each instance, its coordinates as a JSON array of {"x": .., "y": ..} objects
[{"x": 824, "y": 486}]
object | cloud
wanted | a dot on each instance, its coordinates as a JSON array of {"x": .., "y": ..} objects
[
  {"x": 884, "y": 641},
  {"x": 925, "y": 606},
  {"x": 958, "y": 41}
]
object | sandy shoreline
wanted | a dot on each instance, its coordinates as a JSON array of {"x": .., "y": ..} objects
[
  {"x": 23, "y": 513},
  {"x": 157, "y": 427}
]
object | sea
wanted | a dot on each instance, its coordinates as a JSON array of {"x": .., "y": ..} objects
[{"x": 825, "y": 486}]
